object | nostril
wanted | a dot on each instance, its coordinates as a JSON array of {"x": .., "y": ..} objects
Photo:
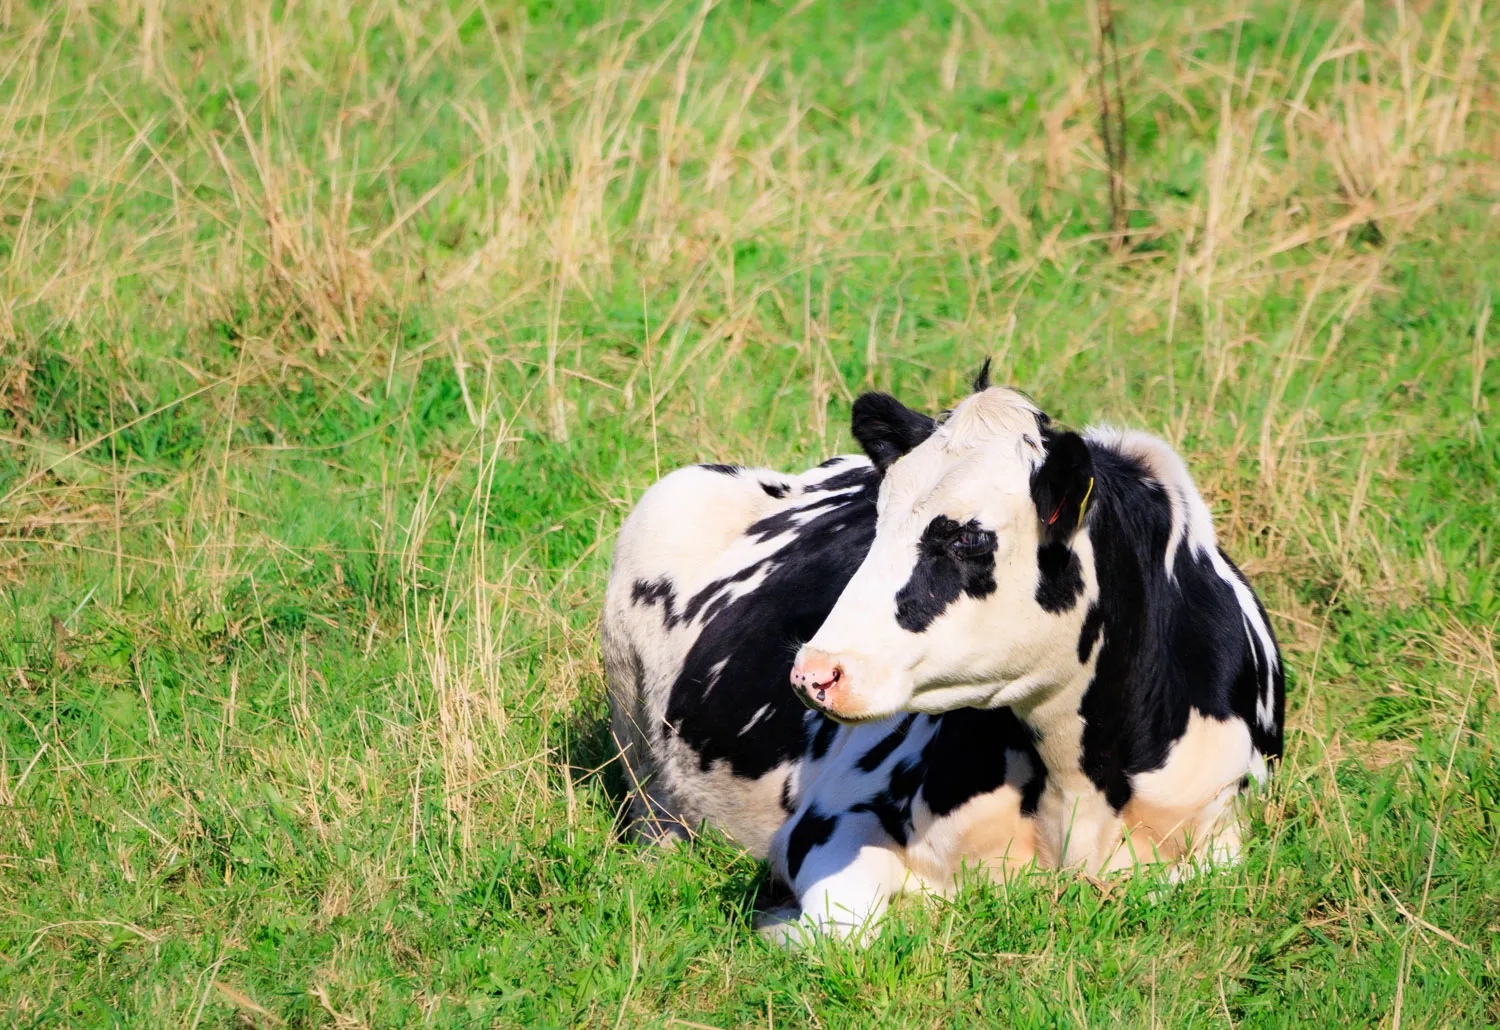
[{"x": 835, "y": 674}]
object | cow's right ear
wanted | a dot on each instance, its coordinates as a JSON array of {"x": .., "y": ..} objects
[{"x": 887, "y": 429}]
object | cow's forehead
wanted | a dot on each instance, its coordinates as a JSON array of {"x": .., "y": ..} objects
[{"x": 979, "y": 459}]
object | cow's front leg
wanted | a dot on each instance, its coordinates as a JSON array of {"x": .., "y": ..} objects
[
  {"x": 843, "y": 870},
  {"x": 1080, "y": 829}
]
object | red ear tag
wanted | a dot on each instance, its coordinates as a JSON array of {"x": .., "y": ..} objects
[{"x": 1058, "y": 512}]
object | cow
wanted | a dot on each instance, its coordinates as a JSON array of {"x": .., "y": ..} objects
[{"x": 1016, "y": 646}]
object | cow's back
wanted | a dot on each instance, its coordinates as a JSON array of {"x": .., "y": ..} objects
[{"x": 719, "y": 573}]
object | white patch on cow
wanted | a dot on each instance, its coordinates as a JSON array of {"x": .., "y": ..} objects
[
  {"x": 991, "y": 416},
  {"x": 714, "y": 671},
  {"x": 845, "y": 884},
  {"x": 1076, "y": 826},
  {"x": 1265, "y": 705},
  {"x": 735, "y": 589},
  {"x": 760, "y": 713},
  {"x": 1258, "y": 772},
  {"x": 987, "y": 833},
  {"x": 1210, "y": 757}
]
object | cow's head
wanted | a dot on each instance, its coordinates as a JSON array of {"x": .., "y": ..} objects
[{"x": 974, "y": 591}]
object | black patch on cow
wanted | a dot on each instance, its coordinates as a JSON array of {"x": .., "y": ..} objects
[
  {"x": 847, "y": 480},
  {"x": 756, "y": 634},
  {"x": 723, "y": 470},
  {"x": 892, "y": 804},
  {"x": 707, "y": 602},
  {"x": 1031, "y": 791},
  {"x": 776, "y": 490},
  {"x": 1250, "y": 685},
  {"x": 823, "y": 739},
  {"x": 1060, "y": 578},
  {"x": 657, "y": 591},
  {"x": 886, "y": 428},
  {"x": 793, "y": 520},
  {"x": 1171, "y": 645},
  {"x": 829, "y": 463},
  {"x": 871, "y": 759},
  {"x": 788, "y": 803},
  {"x": 952, "y": 559},
  {"x": 812, "y": 830},
  {"x": 982, "y": 379},
  {"x": 1089, "y": 636},
  {"x": 968, "y": 756}
]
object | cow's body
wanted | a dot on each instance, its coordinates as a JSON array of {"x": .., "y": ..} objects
[{"x": 1106, "y": 683}]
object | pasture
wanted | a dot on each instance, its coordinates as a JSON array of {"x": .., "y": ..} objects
[{"x": 336, "y": 339}]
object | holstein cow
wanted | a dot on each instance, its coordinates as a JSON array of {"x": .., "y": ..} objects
[{"x": 1018, "y": 645}]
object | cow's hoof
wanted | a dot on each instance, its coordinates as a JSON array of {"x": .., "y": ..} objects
[{"x": 783, "y": 927}]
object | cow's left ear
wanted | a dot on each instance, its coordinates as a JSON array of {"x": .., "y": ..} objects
[
  {"x": 887, "y": 429},
  {"x": 1062, "y": 486}
]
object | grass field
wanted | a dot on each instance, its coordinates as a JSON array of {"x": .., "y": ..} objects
[{"x": 336, "y": 339}]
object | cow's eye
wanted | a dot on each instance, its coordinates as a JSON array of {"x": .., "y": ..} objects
[{"x": 973, "y": 543}]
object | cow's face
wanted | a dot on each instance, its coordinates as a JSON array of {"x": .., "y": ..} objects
[{"x": 974, "y": 590}]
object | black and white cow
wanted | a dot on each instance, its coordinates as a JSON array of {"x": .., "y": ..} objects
[{"x": 1017, "y": 644}]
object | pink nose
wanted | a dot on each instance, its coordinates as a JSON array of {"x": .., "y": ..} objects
[{"x": 815, "y": 674}]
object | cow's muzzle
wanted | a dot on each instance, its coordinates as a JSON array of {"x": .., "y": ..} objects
[{"x": 821, "y": 682}]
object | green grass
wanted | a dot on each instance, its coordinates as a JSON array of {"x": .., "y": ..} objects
[{"x": 337, "y": 339}]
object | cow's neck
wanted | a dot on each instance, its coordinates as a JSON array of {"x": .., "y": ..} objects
[
  {"x": 1094, "y": 744},
  {"x": 1053, "y": 716}
]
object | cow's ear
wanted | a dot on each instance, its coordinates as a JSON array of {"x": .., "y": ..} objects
[
  {"x": 887, "y": 429},
  {"x": 1062, "y": 486}
]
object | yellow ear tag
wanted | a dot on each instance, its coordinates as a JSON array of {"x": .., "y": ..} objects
[{"x": 1085, "y": 502}]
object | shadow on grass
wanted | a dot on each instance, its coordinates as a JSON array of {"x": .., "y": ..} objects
[
  {"x": 592, "y": 759},
  {"x": 593, "y": 762}
]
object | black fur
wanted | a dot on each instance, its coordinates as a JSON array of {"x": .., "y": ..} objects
[
  {"x": 1093, "y": 622},
  {"x": 952, "y": 559},
  {"x": 1060, "y": 577},
  {"x": 1060, "y": 484},
  {"x": 871, "y": 759},
  {"x": 776, "y": 490},
  {"x": 892, "y": 805},
  {"x": 823, "y": 738},
  {"x": 858, "y": 476},
  {"x": 968, "y": 757},
  {"x": 887, "y": 429},
  {"x": 723, "y": 470},
  {"x": 812, "y": 830}
]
